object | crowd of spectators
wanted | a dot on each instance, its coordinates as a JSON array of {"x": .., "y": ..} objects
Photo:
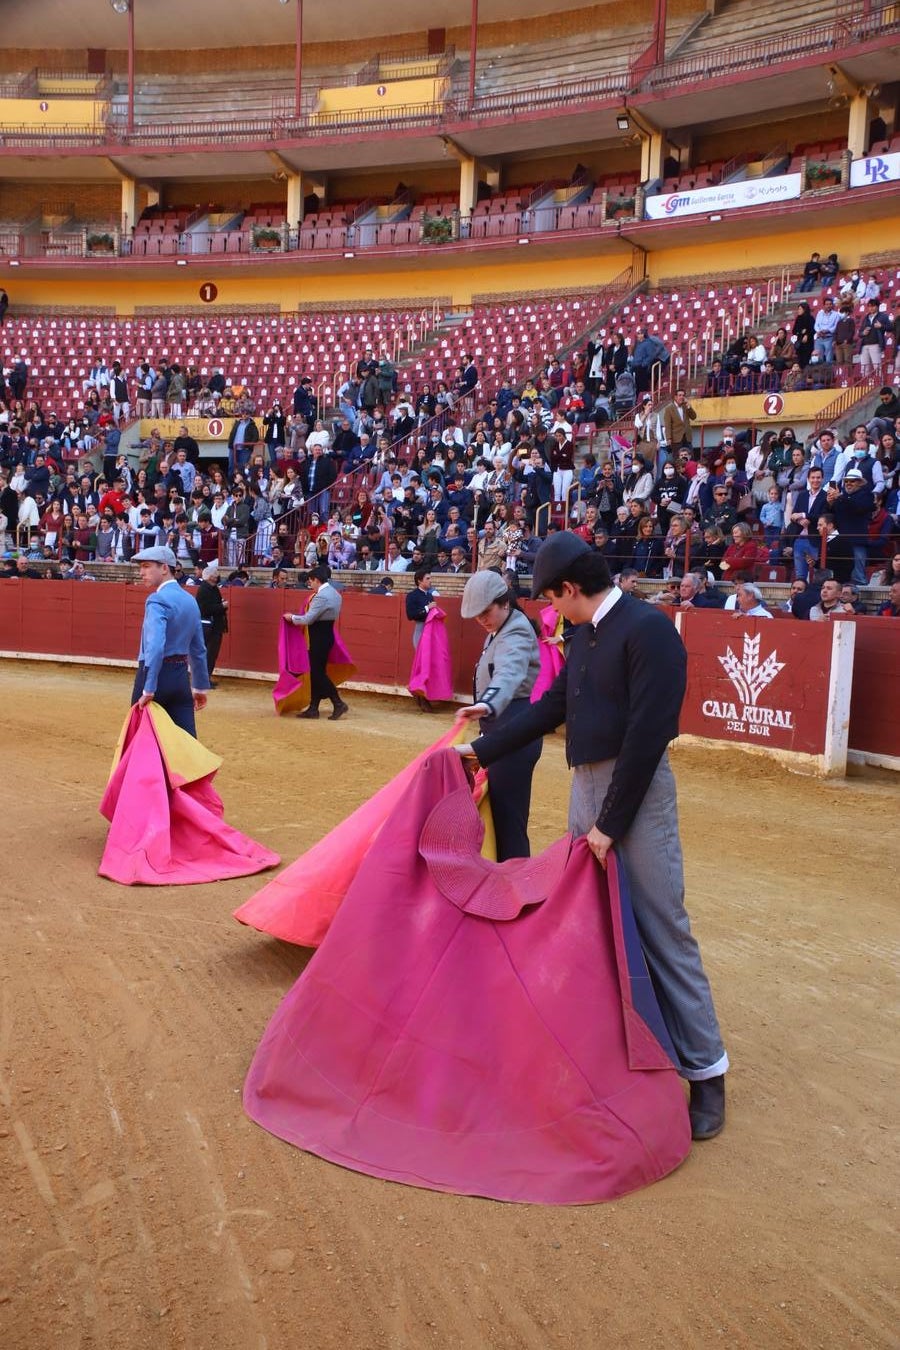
[{"x": 451, "y": 477}]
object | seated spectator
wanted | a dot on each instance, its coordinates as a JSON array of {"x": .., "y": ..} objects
[
  {"x": 812, "y": 272},
  {"x": 891, "y": 607},
  {"x": 694, "y": 593},
  {"x": 830, "y": 605},
  {"x": 782, "y": 352},
  {"x": 750, "y": 604},
  {"x": 647, "y": 554},
  {"x": 718, "y": 381},
  {"x": 741, "y": 556},
  {"x": 745, "y": 381}
]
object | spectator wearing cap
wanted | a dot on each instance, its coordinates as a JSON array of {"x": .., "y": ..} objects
[{"x": 851, "y": 506}]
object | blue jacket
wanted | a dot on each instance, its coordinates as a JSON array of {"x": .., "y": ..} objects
[{"x": 172, "y": 628}]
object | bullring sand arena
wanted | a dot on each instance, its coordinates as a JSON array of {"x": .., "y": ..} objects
[{"x": 144, "y": 1211}]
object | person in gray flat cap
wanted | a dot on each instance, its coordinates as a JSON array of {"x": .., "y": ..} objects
[
  {"x": 619, "y": 695},
  {"x": 504, "y": 678},
  {"x": 172, "y": 658}
]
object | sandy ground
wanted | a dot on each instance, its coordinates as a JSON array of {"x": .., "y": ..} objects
[{"x": 141, "y": 1208}]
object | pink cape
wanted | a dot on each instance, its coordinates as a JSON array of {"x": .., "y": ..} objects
[
  {"x": 431, "y": 672},
  {"x": 552, "y": 659},
  {"x": 291, "y": 692},
  {"x": 482, "y": 1028},
  {"x": 299, "y": 904},
  {"x": 165, "y": 816}
]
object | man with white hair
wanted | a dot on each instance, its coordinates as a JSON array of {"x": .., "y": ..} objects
[
  {"x": 750, "y": 602},
  {"x": 213, "y": 616}
]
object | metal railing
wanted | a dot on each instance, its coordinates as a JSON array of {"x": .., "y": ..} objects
[{"x": 777, "y": 49}]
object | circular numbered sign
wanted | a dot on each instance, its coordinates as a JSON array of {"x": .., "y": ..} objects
[
  {"x": 44, "y": 107},
  {"x": 215, "y": 428},
  {"x": 773, "y": 405},
  {"x": 208, "y": 292},
  {"x": 381, "y": 90}
]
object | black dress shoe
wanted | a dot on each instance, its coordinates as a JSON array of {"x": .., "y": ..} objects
[
  {"x": 310, "y": 714},
  {"x": 213, "y": 684},
  {"x": 707, "y": 1108},
  {"x": 423, "y": 703},
  {"x": 339, "y": 710}
]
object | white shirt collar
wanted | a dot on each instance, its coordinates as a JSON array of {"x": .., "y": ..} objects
[
  {"x": 614, "y": 596},
  {"x": 169, "y": 581}
]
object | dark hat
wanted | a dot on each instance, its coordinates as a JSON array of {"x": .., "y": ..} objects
[{"x": 553, "y": 557}]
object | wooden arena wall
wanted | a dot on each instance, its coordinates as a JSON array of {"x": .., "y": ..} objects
[{"x": 103, "y": 621}]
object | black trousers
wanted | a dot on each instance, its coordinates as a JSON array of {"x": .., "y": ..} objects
[
  {"x": 173, "y": 692},
  {"x": 321, "y": 640},
  {"x": 509, "y": 782},
  {"x": 212, "y": 636}
]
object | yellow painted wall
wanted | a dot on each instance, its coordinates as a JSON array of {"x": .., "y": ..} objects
[
  {"x": 800, "y": 408},
  {"x": 346, "y": 284},
  {"x": 401, "y": 93},
  {"x": 26, "y": 112},
  {"x": 849, "y": 241}
]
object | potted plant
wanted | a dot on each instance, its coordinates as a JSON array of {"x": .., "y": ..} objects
[
  {"x": 437, "y": 229},
  {"x": 100, "y": 243},
  {"x": 621, "y": 209},
  {"x": 822, "y": 175},
  {"x": 267, "y": 239}
]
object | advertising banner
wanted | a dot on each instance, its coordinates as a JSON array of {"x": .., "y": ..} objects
[
  {"x": 778, "y": 685},
  {"x": 875, "y": 169},
  {"x": 726, "y": 197}
]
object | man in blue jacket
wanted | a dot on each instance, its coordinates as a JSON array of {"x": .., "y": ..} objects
[
  {"x": 619, "y": 696},
  {"x": 172, "y": 667},
  {"x": 852, "y": 509}
]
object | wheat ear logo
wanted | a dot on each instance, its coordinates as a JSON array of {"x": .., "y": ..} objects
[{"x": 748, "y": 676}]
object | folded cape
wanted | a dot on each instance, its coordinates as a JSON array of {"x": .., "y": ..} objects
[
  {"x": 432, "y": 673},
  {"x": 299, "y": 904},
  {"x": 291, "y": 692},
  {"x": 551, "y": 652},
  {"x": 165, "y": 816},
  {"x": 477, "y": 1027}
]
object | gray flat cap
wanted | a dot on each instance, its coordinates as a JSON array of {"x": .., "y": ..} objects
[
  {"x": 553, "y": 557},
  {"x": 160, "y": 554},
  {"x": 481, "y": 590}
]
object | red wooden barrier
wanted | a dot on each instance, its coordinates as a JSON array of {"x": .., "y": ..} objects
[{"x": 797, "y": 707}]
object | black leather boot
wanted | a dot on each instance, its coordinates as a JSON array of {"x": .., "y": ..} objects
[{"x": 707, "y": 1109}]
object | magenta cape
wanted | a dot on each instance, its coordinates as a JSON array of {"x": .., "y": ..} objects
[
  {"x": 476, "y": 1027},
  {"x": 291, "y": 692},
  {"x": 551, "y": 653},
  {"x": 165, "y": 816},
  {"x": 299, "y": 904},
  {"x": 431, "y": 672}
]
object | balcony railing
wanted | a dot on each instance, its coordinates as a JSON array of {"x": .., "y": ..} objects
[
  {"x": 792, "y": 44},
  {"x": 853, "y": 27}
]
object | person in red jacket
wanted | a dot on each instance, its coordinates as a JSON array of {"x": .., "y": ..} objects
[{"x": 741, "y": 555}]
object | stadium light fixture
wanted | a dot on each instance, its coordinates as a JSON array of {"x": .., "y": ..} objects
[
  {"x": 623, "y": 122},
  {"x": 714, "y": 220},
  {"x": 181, "y": 262},
  {"x": 121, "y": 6},
  {"x": 524, "y": 240},
  {"x": 349, "y": 253},
  {"x": 14, "y": 262}
]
